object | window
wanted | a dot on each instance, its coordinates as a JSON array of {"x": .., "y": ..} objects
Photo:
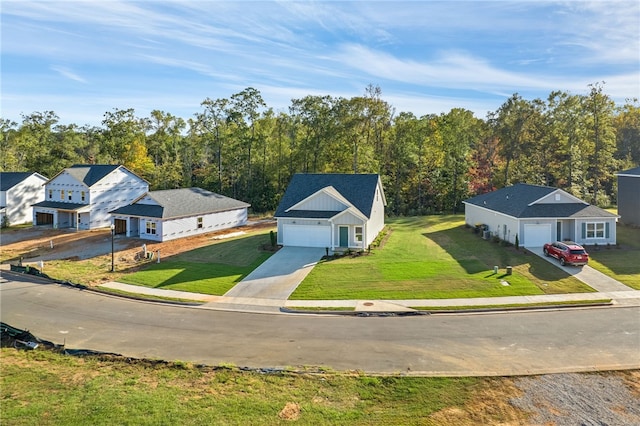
[
  {"x": 200, "y": 223},
  {"x": 359, "y": 234},
  {"x": 62, "y": 194},
  {"x": 82, "y": 195},
  {"x": 70, "y": 193},
  {"x": 151, "y": 228},
  {"x": 595, "y": 230},
  {"x": 50, "y": 193}
]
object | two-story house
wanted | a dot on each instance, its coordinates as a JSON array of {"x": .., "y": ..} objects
[
  {"x": 82, "y": 196},
  {"x": 18, "y": 192}
]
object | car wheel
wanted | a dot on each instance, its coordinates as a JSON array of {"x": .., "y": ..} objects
[
  {"x": 546, "y": 252},
  {"x": 562, "y": 262}
]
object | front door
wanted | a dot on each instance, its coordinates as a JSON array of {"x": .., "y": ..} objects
[
  {"x": 344, "y": 236},
  {"x": 558, "y": 231}
]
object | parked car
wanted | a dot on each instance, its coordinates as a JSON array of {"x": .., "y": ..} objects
[{"x": 568, "y": 253}]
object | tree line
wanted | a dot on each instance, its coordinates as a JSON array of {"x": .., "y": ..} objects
[{"x": 240, "y": 147}]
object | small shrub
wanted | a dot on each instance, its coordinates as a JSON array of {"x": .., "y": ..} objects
[
  {"x": 517, "y": 243},
  {"x": 272, "y": 235}
]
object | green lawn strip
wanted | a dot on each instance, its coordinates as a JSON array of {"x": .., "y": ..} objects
[
  {"x": 41, "y": 387},
  {"x": 465, "y": 307},
  {"x": 514, "y": 305},
  {"x": 622, "y": 261},
  {"x": 213, "y": 269},
  {"x": 118, "y": 292},
  {"x": 435, "y": 257}
]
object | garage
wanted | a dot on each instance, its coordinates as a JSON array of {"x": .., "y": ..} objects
[
  {"x": 44, "y": 218},
  {"x": 306, "y": 236},
  {"x": 537, "y": 235}
]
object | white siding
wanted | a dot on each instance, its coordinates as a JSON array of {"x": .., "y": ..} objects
[
  {"x": 117, "y": 189},
  {"x": 171, "y": 229},
  {"x": 376, "y": 220},
  {"x": 505, "y": 227},
  {"x": 20, "y": 198}
]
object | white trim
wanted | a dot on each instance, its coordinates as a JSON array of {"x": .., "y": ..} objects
[
  {"x": 329, "y": 190},
  {"x": 354, "y": 211}
]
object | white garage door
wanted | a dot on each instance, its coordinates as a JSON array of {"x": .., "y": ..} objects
[
  {"x": 306, "y": 236},
  {"x": 537, "y": 235}
]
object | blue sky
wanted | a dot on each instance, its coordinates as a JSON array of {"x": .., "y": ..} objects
[{"x": 83, "y": 58}]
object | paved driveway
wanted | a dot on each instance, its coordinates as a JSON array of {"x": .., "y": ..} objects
[
  {"x": 279, "y": 276},
  {"x": 593, "y": 278}
]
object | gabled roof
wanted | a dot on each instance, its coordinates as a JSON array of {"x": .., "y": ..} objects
[
  {"x": 357, "y": 189},
  {"x": 90, "y": 174},
  {"x": 175, "y": 203},
  {"x": 519, "y": 201},
  {"x": 10, "y": 179},
  {"x": 635, "y": 172}
]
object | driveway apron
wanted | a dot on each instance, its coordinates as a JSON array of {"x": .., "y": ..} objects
[
  {"x": 279, "y": 276},
  {"x": 593, "y": 278}
]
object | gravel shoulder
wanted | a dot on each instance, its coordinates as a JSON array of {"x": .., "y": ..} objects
[{"x": 581, "y": 399}]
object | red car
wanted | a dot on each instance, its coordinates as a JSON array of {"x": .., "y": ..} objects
[{"x": 568, "y": 253}]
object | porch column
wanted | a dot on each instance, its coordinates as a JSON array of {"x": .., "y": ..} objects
[
  {"x": 332, "y": 235},
  {"x": 365, "y": 235}
]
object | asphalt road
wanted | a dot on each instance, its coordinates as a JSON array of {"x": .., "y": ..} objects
[{"x": 479, "y": 344}]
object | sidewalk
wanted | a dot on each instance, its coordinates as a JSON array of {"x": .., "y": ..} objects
[{"x": 250, "y": 304}]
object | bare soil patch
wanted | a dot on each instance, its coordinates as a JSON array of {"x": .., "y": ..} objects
[{"x": 35, "y": 244}]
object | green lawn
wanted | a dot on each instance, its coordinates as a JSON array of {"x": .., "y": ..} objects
[
  {"x": 621, "y": 262},
  {"x": 213, "y": 269},
  {"x": 435, "y": 257},
  {"x": 44, "y": 388}
]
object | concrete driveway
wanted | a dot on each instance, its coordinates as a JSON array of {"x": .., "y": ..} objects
[
  {"x": 279, "y": 276},
  {"x": 591, "y": 277}
]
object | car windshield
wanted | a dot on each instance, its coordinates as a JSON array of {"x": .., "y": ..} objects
[{"x": 578, "y": 251}]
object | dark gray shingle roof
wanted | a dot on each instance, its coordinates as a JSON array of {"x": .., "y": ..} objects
[
  {"x": 92, "y": 173},
  {"x": 174, "y": 203},
  {"x": 10, "y": 179},
  {"x": 514, "y": 201},
  {"x": 358, "y": 189},
  {"x": 60, "y": 205}
]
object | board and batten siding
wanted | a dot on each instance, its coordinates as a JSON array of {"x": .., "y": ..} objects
[{"x": 321, "y": 202}]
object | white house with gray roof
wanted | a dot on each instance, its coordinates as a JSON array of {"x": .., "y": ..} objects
[
  {"x": 335, "y": 211},
  {"x": 81, "y": 196},
  {"x": 176, "y": 213},
  {"x": 629, "y": 196},
  {"x": 540, "y": 214},
  {"x": 18, "y": 192}
]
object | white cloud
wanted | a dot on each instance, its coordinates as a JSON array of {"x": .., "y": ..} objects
[{"x": 67, "y": 73}]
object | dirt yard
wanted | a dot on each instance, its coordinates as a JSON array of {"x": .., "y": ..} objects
[{"x": 38, "y": 243}]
